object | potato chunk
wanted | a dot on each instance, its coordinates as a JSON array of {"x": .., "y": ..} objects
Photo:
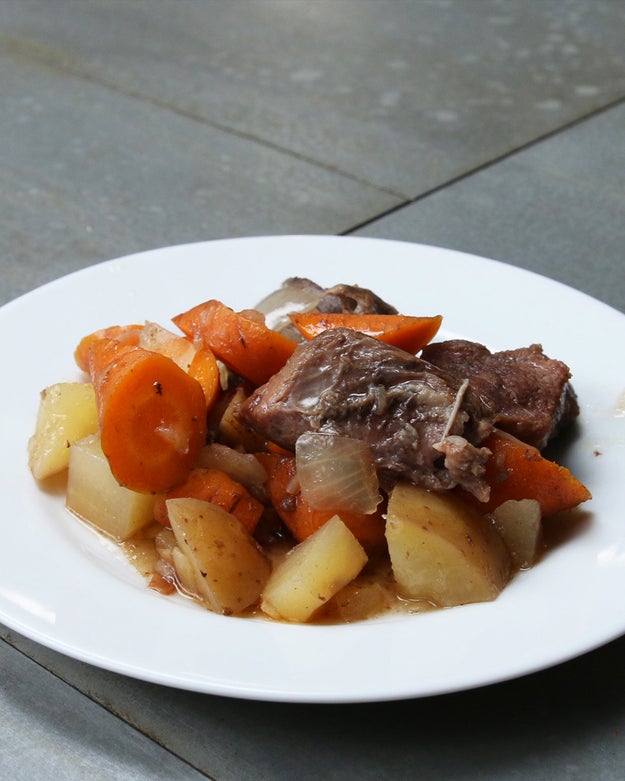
[
  {"x": 67, "y": 412},
  {"x": 313, "y": 572},
  {"x": 222, "y": 564},
  {"x": 519, "y": 523},
  {"x": 95, "y": 495},
  {"x": 442, "y": 550}
]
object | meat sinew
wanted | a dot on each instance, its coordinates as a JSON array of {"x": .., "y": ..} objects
[
  {"x": 529, "y": 392},
  {"x": 421, "y": 424}
]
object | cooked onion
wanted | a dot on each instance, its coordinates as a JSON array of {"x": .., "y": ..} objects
[
  {"x": 336, "y": 473},
  {"x": 242, "y": 467},
  {"x": 295, "y": 295}
]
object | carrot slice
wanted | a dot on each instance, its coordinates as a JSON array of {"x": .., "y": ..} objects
[
  {"x": 205, "y": 369},
  {"x": 301, "y": 519},
  {"x": 152, "y": 415},
  {"x": 215, "y": 486},
  {"x": 240, "y": 339},
  {"x": 125, "y": 334},
  {"x": 519, "y": 471},
  {"x": 404, "y": 331}
]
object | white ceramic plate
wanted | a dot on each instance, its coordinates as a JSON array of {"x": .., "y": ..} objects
[{"x": 64, "y": 587}]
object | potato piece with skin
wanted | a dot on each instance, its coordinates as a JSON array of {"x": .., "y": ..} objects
[
  {"x": 359, "y": 601},
  {"x": 226, "y": 567},
  {"x": 95, "y": 495},
  {"x": 313, "y": 572},
  {"x": 442, "y": 550},
  {"x": 67, "y": 412},
  {"x": 186, "y": 574}
]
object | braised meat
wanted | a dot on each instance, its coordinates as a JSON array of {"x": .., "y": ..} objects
[
  {"x": 298, "y": 294},
  {"x": 421, "y": 424},
  {"x": 530, "y": 393},
  {"x": 353, "y": 299}
]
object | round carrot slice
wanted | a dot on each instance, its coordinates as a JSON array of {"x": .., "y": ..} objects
[{"x": 152, "y": 416}]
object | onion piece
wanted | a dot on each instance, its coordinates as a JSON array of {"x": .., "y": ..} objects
[
  {"x": 242, "y": 467},
  {"x": 336, "y": 473},
  {"x": 295, "y": 295}
]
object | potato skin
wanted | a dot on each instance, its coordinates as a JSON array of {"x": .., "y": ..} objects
[
  {"x": 442, "y": 550},
  {"x": 226, "y": 568}
]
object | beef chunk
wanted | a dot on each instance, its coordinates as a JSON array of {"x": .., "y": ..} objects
[
  {"x": 422, "y": 425},
  {"x": 529, "y": 392},
  {"x": 353, "y": 299}
]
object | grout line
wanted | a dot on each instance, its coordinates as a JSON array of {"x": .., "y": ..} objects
[
  {"x": 64, "y": 65},
  {"x": 52, "y": 59},
  {"x": 241, "y": 134},
  {"x": 99, "y": 702},
  {"x": 488, "y": 164}
]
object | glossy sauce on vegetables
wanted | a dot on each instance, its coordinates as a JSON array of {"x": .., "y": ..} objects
[{"x": 372, "y": 594}]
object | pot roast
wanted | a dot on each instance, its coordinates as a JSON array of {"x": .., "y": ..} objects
[
  {"x": 421, "y": 424},
  {"x": 530, "y": 394}
]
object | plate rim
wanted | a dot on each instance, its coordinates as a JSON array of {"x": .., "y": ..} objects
[{"x": 235, "y": 690}]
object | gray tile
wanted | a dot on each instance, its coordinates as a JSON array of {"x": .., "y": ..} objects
[
  {"x": 88, "y": 173},
  {"x": 49, "y": 730},
  {"x": 402, "y": 94},
  {"x": 128, "y": 124},
  {"x": 543, "y": 727},
  {"x": 557, "y": 208}
]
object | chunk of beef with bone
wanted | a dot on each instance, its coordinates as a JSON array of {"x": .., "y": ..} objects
[
  {"x": 529, "y": 392},
  {"x": 422, "y": 425}
]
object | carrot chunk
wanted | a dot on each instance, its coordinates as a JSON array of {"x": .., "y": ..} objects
[
  {"x": 205, "y": 369},
  {"x": 301, "y": 519},
  {"x": 240, "y": 339},
  {"x": 215, "y": 486},
  {"x": 125, "y": 334},
  {"x": 404, "y": 331},
  {"x": 519, "y": 471},
  {"x": 152, "y": 415}
]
